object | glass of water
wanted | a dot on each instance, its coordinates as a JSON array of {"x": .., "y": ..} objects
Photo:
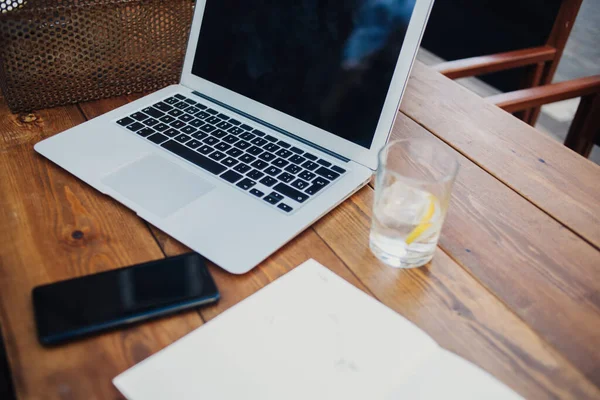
[{"x": 412, "y": 192}]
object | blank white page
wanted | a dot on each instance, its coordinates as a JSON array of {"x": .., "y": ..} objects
[{"x": 308, "y": 335}]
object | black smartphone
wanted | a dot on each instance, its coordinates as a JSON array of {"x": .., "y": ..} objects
[{"x": 81, "y": 306}]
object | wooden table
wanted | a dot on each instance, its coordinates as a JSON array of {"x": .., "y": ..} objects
[{"x": 514, "y": 286}]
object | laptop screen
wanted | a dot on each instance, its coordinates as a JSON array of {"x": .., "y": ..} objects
[{"x": 328, "y": 63}]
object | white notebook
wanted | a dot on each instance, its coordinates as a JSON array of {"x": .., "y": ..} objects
[{"x": 308, "y": 335}]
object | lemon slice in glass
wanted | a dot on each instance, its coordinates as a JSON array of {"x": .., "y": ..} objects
[{"x": 426, "y": 220}]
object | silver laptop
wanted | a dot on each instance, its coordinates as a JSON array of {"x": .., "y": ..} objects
[{"x": 280, "y": 113}]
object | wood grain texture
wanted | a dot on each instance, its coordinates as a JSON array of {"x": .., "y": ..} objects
[
  {"x": 41, "y": 206},
  {"x": 527, "y": 259},
  {"x": 445, "y": 301},
  {"x": 482, "y": 65},
  {"x": 538, "y": 96},
  {"x": 562, "y": 183}
]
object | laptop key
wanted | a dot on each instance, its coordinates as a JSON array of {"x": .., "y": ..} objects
[
  {"x": 175, "y": 113},
  {"x": 271, "y": 138},
  {"x": 158, "y": 138},
  {"x": 193, "y": 144},
  {"x": 145, "y": 132},
  {"x": 271, "y": 147},
  {"x": 235, "y": 130},
  {"x": 268, "y": 181},
  {"x": 136, "y": 126},
  {"x": 202, "y": 115},
  {"x": 230, "y": 161},
  {"x": 296, "y": 159},
  {"x": 234, "y": 121},
  {"x": 125, "y": 121},
  {"x": 163, "y": 106},
  {"x": 266, "y": 156},
  {"x": 199, "y": 135},
  {"x": 255, "y": 174},
  {"x": 258, "y": 133},
  {"x": 171, "y": 132},
  {"x": 213, "y": 120},
  {"x": 181, "y": 105},
  {"x": 280, "y": 162},
  {"x": 276, "y": 195},
  {"x": 283, "y": 144},
  {"x": 254, "y": 150},
  {"x": 171, "y": 100},
  {"x": 324, "y": 163},
  {"x": 186, "y": 118},
  {"x": 293, "y": 169},
  {"x": 297, "y": 150},
  {"x": 138, "y": 116},
  {"x": 212, "y": 111},
  {"x": 188, "y": 130},
  {"x": 300, "y": 184},
  {"x": 242, "y": 144},
  {"x": 219, "y": 133},
  {"x": 217, "y": 155},
  {"x": 207, "y": 128},
  {"x": 259, "y": 164},
  {"x": 273, "y": 171},
  {"x": 153, "y": 112},
  {"x": 190, "y": 101},
  {"x": 177, "y": 124},
  {"x": 230, "y": 139},
  {"x": 223, "y": 146},
  {"x": 242, "y": 168},
  {"x": 339, "y": 170},
  {"x": 247, "y": 158},
  {"x": 150, "y": 122},
  {"x": 246, "y": 127},
  {"x": 247, "y": 136},
  {"x": 290, "y": 192},
  {"x": 167, "y": 119},
  {"x": 271, "y": 200},
  {"x": 182, "y": 138},
  {"x": 201, "y": 106},
  {"x": 327, "y": 173},
  {"x": 284, "y": 153},
  {"x": 310, "y": 165},
  {"x": 285, "y": 207},
  {"x": 318, "y": 184},
  {"x": 224, "y": 125},
  {"x": 231, "y": 176},
  {"x": 197, "y": 123},
  {"x": 192, "y": 110},
  {"x": 246, "y": 184},
  {"x": 194, "y": 157},
  {"x": 206, "y": 149},
  {"x": 286, "y": 177},
  {"x": 161, "y": 127},
  {"x": 180, "y": 96},
  {"x": 234, "y": 152},
  {"x": 311, "y": 157},
  {"x": 223, "y": 116},
  {"x": 210, "y": 140},
  {"x": 259, "y": 141},
  {"x": 306, "y": 175},
  {"x": 257, "y": 193}
]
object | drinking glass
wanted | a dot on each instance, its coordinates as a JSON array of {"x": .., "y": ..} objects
[{"x": 412, "y": 192}]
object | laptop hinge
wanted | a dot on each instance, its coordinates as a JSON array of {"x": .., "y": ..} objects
[{"x": 275, "y": 128}]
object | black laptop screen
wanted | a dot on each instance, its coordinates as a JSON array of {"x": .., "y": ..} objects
[{"x": 326, "y": 62}]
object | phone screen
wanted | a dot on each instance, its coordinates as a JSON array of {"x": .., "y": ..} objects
[{"x": 76, "y": 307}]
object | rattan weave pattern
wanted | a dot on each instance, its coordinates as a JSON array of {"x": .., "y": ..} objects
[{"x": 55, "y": 52}]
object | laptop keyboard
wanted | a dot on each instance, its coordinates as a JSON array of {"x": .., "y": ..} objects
[{"x": 265, "y": 167}]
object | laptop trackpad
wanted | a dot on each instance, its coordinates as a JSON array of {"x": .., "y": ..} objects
[{"x": 157, "y": 184}]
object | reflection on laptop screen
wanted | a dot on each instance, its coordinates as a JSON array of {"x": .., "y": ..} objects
[{"x": 328, "y": 63}]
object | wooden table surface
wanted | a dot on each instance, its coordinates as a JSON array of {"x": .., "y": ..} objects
[{"x": 514, "y": 286}]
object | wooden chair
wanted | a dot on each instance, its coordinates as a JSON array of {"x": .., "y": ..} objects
[{"x": 542, "y": 61}]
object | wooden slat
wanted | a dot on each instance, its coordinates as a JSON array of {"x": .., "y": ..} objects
[
  {"x": 560, "y": 182},
  {"x": 41, "y": 206},
  {"x": 538, "y": 96},
  {"x": 482, "y": 65}
]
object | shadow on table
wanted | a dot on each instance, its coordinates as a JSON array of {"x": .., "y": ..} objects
[{"x": 6, "y": 387}]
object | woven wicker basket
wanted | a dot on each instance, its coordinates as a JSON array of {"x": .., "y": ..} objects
[{"x": 55, "y": 52}]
